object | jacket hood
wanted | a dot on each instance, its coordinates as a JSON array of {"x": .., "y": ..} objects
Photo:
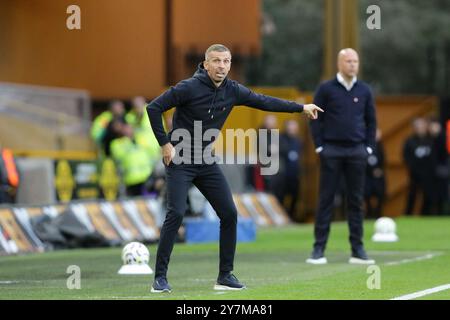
[{"x": 202, "y": 75}]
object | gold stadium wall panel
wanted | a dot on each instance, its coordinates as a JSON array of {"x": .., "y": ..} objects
[
  {"x": 51, "y": 211},
  {"x": 54, "y": 210},
  {"x": 23, "y": 220},
  {"x": 125, "y": 221},
  {"x": 110, "y": 214},
  {"x": 262, "y": 207},
  {"x": 80, "y": 211},
  {"x": 14, "y": 238},
  {"x": 242, "y": 210},
  {"x": 155, "y": 210},
  {"x": 147, "y": 216},
  {"x": 257, "y": 214},
  {"x": 145, "y": 213},
  {"x": 273, "y": 209},
  {"x": 141, "y": 221},
  {"x": 277, "y": 207},
  {"x": 35, "y": 211},
  {"x": 100, "y": 221}
]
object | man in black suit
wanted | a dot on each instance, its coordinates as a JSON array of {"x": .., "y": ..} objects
[{"x": 344, "y": 136}]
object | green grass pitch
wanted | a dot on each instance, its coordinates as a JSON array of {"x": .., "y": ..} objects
[{"x": 273, "y": 267}]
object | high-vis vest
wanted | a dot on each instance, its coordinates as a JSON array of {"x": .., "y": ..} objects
[
  {"x": 11, "y": 170},
  {"x": 133, "y": 159},
  {"x": 137, "y": 122},
  {"x": 99, "y": 126}
]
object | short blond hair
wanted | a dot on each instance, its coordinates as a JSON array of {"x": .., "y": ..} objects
[{"x": 216, "y": 47}]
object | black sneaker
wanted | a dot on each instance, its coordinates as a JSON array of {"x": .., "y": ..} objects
[
  {"x": 360, "y": 257},
  {"x": 228, "y": 282},
  {"x": 161, "y": 285},
  {"x": 317, "y": 257}
]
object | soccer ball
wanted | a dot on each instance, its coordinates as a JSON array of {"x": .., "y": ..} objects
[
  {"x": 135, "y": 258},
  {"x": 135, "y": 253},
  {"x": 385, "y": 230},
  {"x": 385, "y": 225}
]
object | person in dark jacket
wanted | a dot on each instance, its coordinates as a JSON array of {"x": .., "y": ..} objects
[
  {"x": 440, "y": 167},
  {"x": 344, "y": 135},
  {"x": 271, "y": 149},
  {"x": 288, "y": 179},
  {"x": 417, "y": 154},
  {"x": 103, "y": 131},
  {"x": 203, "y": 102},
  {"x": 113, "y": 128}
]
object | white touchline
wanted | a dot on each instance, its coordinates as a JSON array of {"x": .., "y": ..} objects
[
  {"x": 423, "y": 293},
  {"x": 424, "y": 257}
]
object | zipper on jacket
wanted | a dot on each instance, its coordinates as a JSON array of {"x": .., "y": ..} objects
[{"x": 212, "y": 104}]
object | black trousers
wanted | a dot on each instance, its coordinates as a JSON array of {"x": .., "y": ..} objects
[
  {"x": 348, "y": 162},
  {"x": 375, "y": 189},
  {"x": 288, "y": 186},
  {"x": 420, "y": 182},
  {"x": 211, "y": 182}
]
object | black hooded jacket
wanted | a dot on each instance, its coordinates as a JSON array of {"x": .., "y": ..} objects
[{"x": 198, "y": 99}]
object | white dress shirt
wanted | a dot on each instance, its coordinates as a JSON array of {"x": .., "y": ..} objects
[{"x": 346, "y": 85}]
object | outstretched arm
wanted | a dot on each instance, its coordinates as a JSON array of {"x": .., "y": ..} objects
[{"x": 251, "y": 99}]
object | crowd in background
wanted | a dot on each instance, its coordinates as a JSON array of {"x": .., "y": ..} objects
[
  {"x": 128, "y": 139},
  {"x": 424, "y": 154}
]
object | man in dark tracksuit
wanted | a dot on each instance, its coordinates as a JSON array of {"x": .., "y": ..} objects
[
  {"x": 289, "y": 177},
  {"x": 344, "y": 135},
  {"x": 206, "y": 99},
  {"x": 418, "y": 156},
  {"x": 439, "y": 188}
]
